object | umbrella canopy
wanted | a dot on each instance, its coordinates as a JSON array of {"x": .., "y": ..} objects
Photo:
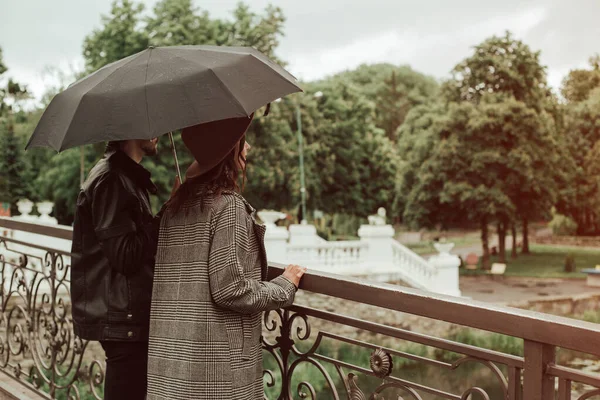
[{"x": 160, "y": 90}]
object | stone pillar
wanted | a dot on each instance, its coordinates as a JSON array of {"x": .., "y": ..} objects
[
  {"x": 378, "y": 257},
  {"x": 304, "y": 234},
  {"x": 275, "y": 236},
  {"x": 447, "y": 265}
]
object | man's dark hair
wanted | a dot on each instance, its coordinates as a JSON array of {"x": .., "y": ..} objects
[{"x": 113, "y": 146}]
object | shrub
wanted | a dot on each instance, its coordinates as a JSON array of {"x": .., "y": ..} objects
[
  {"x": 570, "y": 263},
  {"x": 563, "y": 225}
]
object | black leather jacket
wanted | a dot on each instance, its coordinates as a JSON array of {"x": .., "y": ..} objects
[{"x": 114, "y": 243}]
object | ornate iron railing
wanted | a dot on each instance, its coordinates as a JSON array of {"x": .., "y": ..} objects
[
  {"x": 37, "y": 344},
  {"x": 309, "y": 352}
]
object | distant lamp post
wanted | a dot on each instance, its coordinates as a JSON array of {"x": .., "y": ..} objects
[{"x": 301, "y": 157}]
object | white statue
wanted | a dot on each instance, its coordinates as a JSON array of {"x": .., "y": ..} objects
[{"x": 379, "y": 218}]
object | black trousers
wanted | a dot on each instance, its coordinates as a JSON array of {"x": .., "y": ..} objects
[{"x": 126, "y": 375}]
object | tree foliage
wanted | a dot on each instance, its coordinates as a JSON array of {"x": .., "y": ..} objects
[
  {"x": 500, "y": 65},
  {"x": 120, "y": 36},
  {"x": 579, "y": 83},
  {"x": 12, "y": 184},
  {"x": 487, "y": 153},
  {"x": 393, "y": 90},
  {"x": 580, "y": 189}
]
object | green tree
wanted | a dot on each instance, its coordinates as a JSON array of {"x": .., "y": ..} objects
[
  {"x": 120, "y": 36},
  {"x": 178, "y": 22},
  {"x": 3, "y": 69},
  {"x": 12, "y": 187},
  {"x": 12, "y": 184},
  {"x": 502, "y": 69},
  {"x": 417, "y": 138},
  {"x": 578, "y": 85},
  {"x": 262, "y": 32},
  {"x": 60, "y": 183},
  {"x": 489, "y": 155},
  {"x": 500, "y": 65},
  {"x": 394, "y": 91},
  {"x": 524, "y": 140},
  {"x": 349, "y": 162},
  {"x": 273, "y": 174},
  {"x": 347, "y": 151},
  {"x": 579, "y": 188}
]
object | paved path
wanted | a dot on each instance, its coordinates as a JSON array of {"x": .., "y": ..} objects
[{"x": 518, "y": 289}]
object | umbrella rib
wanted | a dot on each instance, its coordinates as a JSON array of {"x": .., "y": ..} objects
[
  {"x": 274, "y": 67},
  {"x": 224, "y": 86},
  {"x": 181, "y": 83},
  {"x": 221, "y": 83},
  {"x": 146, "y": 88},
  {"x": 85, "y": 94}
]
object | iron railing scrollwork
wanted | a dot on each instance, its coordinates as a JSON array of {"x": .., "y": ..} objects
[
  {"x": 346, "y": 384},
  {"x": 305, "y": 354},
  {"x": 37, "y": 344}
]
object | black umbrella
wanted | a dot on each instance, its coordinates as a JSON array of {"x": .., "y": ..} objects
[{"x": 159, "y": 90}]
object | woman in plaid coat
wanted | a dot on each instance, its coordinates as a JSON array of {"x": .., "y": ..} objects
[{"x": 209, "y": 281}]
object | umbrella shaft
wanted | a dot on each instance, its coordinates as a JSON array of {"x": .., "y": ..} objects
[{"x": 175, "y": 155}]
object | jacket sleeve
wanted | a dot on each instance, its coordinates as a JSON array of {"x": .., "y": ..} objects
[
  {"x": 127, "y": 243},
  {"x": 229, "y": 286}
]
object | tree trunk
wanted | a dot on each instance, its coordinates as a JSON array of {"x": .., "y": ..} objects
[
  {"x": 513, "y": 252},
  {"x": 525, "y": 236},
  {"x": 485, "y": 258},
  {"x": 502, "y": 241}
]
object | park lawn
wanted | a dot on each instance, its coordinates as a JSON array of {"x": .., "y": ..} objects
[
  {"x": 546, "y": 261},
  {"x": 426, "y": 247},
  {"x": 422, "y": 248}
]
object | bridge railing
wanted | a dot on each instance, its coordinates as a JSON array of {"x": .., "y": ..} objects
[{"x": 306, "y": 349}]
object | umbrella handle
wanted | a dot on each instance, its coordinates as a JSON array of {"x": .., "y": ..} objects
[{"x": 175, "y": 156}]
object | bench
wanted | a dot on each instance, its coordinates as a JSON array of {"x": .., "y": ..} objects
[
  {"x": 593, "y": 277},
  {"x": 498, "y": 269}
]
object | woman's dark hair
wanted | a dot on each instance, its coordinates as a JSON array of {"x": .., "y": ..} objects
[{"x": 224, "y": 176}]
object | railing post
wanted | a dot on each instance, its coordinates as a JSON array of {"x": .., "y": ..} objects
[
  {"x": 446, "y": 265},
  {"x": 285, "y": 342},
  {"x": 378, "y": 257},
  {"x": 537, "y": 384},
  {"x": 564, "y": 389}
]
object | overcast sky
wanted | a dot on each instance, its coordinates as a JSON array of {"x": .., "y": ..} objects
[{"x": 323, "y": 37}]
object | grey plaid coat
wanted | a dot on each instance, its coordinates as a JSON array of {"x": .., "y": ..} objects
[{"x": 207, "y": 302}]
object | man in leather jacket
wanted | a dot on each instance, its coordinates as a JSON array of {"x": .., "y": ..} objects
[{"x": 114, "y": 243}]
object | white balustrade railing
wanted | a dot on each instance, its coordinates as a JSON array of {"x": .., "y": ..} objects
[
  {"x": 416, "y": 271},
  {"x": 376, "y": 256},
  {"x": 337, "y": 257}
]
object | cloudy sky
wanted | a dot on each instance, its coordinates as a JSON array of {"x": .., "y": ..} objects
[{"x": 323, "y": 37}]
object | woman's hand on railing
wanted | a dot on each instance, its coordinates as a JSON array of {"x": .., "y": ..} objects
[{"x": 294, "y": 273}]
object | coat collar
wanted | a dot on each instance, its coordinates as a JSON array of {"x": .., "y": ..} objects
[{"x": 133, "y": 170}]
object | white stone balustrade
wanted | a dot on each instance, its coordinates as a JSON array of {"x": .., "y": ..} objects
[{"x": 376, "y": 256}]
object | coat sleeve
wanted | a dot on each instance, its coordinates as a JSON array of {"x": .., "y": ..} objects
[
  {"x": 125, "y": 242},
  {"x": 230, "y": 287}
]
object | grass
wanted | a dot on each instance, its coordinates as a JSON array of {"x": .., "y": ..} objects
[
  {"x": 491, "y": 341},
  {"x": 547, "y": 261},
  {"x": 592, "y": 316},
  {"x": 426, "y": 247},
  {"x": 422, "y": 248}
]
